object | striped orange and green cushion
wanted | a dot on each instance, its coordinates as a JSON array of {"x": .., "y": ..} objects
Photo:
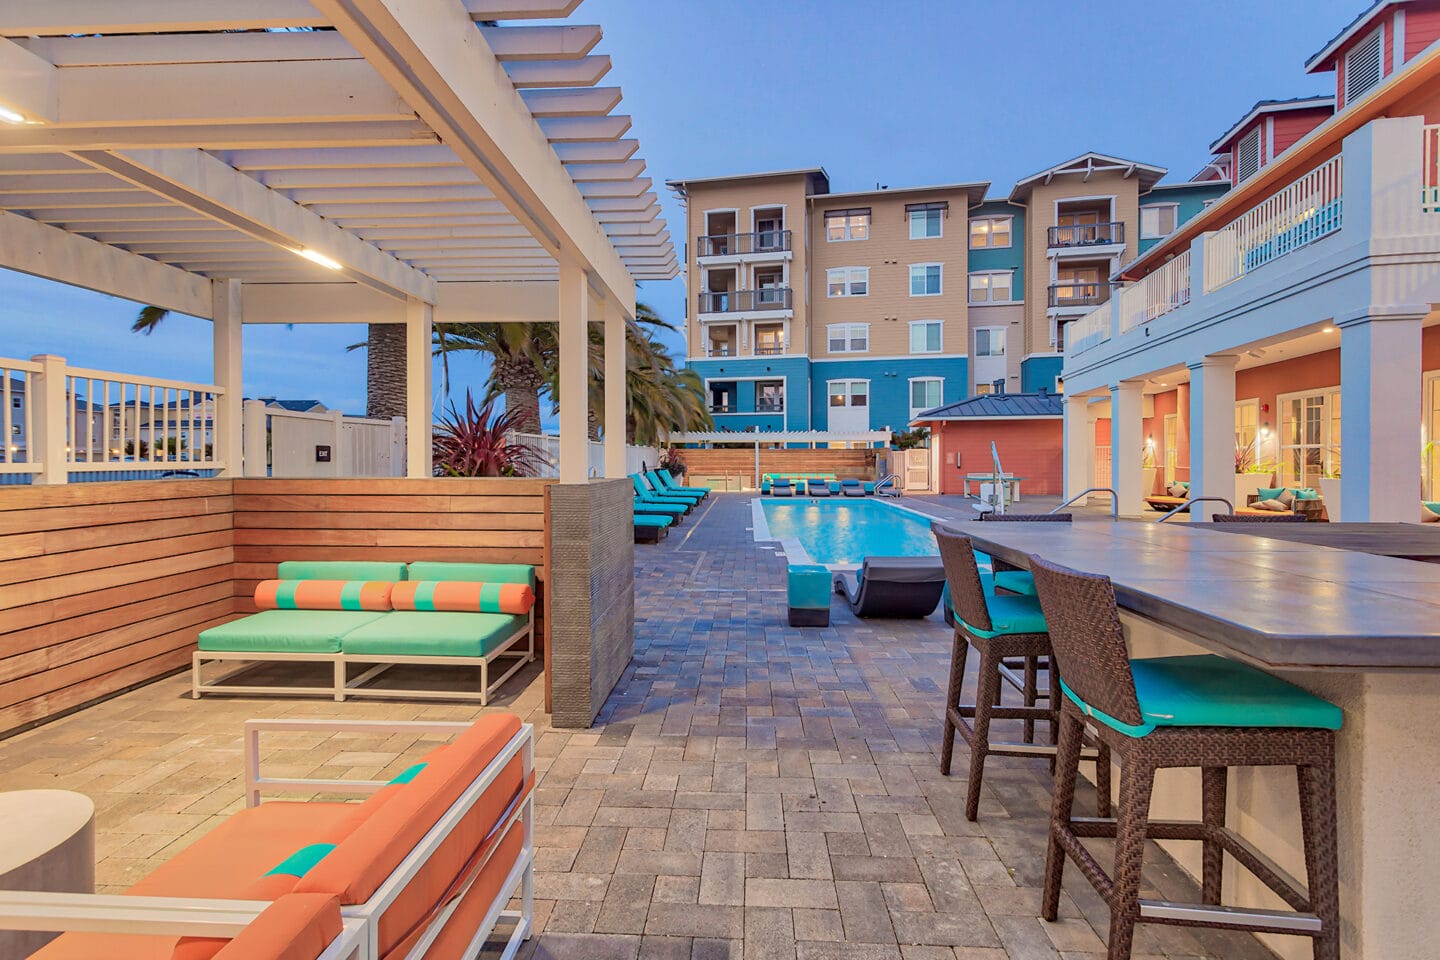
[
  {"x": 373, "y": 595},
  {"x": 462, "y": 597}
]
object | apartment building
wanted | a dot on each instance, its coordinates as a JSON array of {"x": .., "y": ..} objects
[{"x": 846, "y": 311}]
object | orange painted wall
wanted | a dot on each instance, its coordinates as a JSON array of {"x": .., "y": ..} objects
[{"x": 1033, "y": 449}]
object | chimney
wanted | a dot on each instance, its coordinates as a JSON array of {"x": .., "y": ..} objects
[
  {"x": 1042, "y": 391},
  {"x": 999, "y": 386}
]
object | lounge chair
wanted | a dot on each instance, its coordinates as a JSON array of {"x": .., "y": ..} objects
[
  {"x": 650, "y": 528},
  {"x": 852, "y": 488},
  {"x": 645, "y": 494},
  {"x": 674, "y": 512},
  {"x": 817, "y": 488},
  {"x": 693, "y": 496},
  {"x": 894, "y": 587},
  {"x": 667, "y": 482},
  {"x": 781, "y": 487}
]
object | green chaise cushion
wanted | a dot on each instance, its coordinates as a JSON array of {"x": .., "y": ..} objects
[
  {"x": 1009, "y": 616},
  {"x": 341, "y": 570},
  {"x": 411, "y": 633},
  {"x": 286, "y": 631},
  {"x": 1212, "y": 691},
  {"x": 475, "y": 572}
]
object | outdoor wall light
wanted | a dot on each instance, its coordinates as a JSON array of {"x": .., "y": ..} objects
[{"x": 316, "y": 257}]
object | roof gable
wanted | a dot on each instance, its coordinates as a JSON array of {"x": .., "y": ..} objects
[
  {"x": 1087, "y": 165},
  {"x": 990, "y": 406}
]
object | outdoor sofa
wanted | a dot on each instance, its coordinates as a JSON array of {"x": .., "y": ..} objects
[
  {"x": 894, "y": 587},
  {"x": 378, "y": 615},
  {"x": 423, "y": 867}
]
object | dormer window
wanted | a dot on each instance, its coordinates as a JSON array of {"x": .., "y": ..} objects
[{"x": 1364, "y": 66}]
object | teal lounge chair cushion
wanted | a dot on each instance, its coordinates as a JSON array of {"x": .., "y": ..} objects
[
  {"x": 473, "y": 572},
  {"x": 340, "y": 570},
  {"x": 286, "y": 631},
  {"x": 658, "y": 481},
  {"x": 1212, "y": 691},
  {"x": 650, "y": 520},
  {"x": 1011, "y": 615},
  {"x": 650, "y": 506},
  {"x": 428, "y": 633}
]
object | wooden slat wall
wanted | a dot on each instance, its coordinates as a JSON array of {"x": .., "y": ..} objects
[
  {"x": 859, "y": 464},
  {"x": 105, "y": 585}
]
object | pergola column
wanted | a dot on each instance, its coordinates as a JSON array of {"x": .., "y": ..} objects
[
  {"x": 419, "y": 392},
  {"x": 227, "y": 431},
  {"x": 1079, "y": 444},
  {"x": 574, "y": 318},
  {"x": 1212, "y": 433},
  {"x": 615, "y": 383},
  {"x": 1380, "y": 386},
  {"x": 1127, "y": 445}
]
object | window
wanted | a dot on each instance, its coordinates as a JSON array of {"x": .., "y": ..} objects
[
  {"x": 848, "y": 337},
  {"x": 1309, "y": 437},
  {"x": 1247, "y": 156},
  {"x": 15, "y": 402},
  {"x": 925, "y": 221},
  {"x": 924, "y": 394},
  {"x": 1158, "y": 220},
  {"x": 770, "y": 396},
  {"x": 991, "y": 287},
  {"x": 988, "y": 232},
  {"x": 848, "y": 281},
  {"x": 924, "y": 279},
  {"x": 1364, "y": 66},
  {"x": 990, "y": 342},
  {"x": 926, "y": 336},
  {"x": 849, "y": 393},
  {"x": 847, "y": 224},
  {"x": 981, "y": 389},
  {"x": 1247, "y": 435}
]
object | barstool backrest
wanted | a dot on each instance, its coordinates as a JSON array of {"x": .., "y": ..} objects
[
  {"x": 1027, "y": 517},
  {"x": 962, "y": 573},
  {"x": 1087, "y": 638},
  {"x": 1276, "y": 517}
]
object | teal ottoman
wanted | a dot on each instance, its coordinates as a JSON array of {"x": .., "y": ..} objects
[{"x": 809, "y": 594}]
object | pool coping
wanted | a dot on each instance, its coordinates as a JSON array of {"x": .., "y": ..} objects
[{"x": 794, "y": 550}]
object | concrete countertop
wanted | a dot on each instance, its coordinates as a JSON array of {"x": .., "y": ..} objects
[{"x": 1278, "y": 603}]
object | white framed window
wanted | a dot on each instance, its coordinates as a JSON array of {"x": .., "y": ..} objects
[
  {"x": 1247, "y": 435},
  {"x": 1365, "y": 65},
  {"x": 982, "y": 389},
  {"x": 848, "y": 337},
  {"x": 1247, "y": 156},
  {"x": 849, "y": 393},
  {"x": 925, "y": 279},
  {"x": 990, "y": 232},
  {"x": 15, "y": 402},
  {"x": 926, "y": 336},
  {"x": 926, "y": 223},
  {"x": 847, "y": 282},
  {"x": 1309, "y": 436},
  {"x": 1158, "y": 220},
  {"x": 924, "y": 394},
  {"x": 992, "y": 286},
  {"x": 847, "y": 225},
  {"x": 990, "y": 342}
]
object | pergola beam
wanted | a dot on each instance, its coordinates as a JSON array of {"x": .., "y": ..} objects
[
  {"x": 583, "y": 72},
  {"x": 213, "y": 137}
]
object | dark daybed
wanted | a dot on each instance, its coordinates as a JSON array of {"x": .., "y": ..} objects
[{"x": 894, "y": 587}]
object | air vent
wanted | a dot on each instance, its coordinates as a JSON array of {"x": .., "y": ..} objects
[
  {"x": 1247, "y": 156},
  {"x": 1363, "y": 66}
]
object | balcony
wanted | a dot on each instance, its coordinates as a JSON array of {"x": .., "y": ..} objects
[
  {"x": 765, "y": 300},
  {"x": 721, "y": 408},
  {"x": 721, "y": 350},
  {"x": 769, "y": 349},
  {"x": 1068, "y": 294},
  {"x": 770, "y": 406},
  {"x": 761, "y": 243},
  {"x": 1086, "y": 235}
]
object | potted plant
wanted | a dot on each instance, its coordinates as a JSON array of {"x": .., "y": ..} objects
[
  {"x": 1251, "y": 473},
  {"x": 674, "y": 461}
]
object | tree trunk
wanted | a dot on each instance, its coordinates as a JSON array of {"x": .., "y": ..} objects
[
  {"x": 519, "y": 380},
  {"x": 385, "y": 371}
]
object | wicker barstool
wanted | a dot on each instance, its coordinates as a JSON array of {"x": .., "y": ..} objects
[
  {"x": 1193, "y": 711},
  {"x": 1273, "y": 517},
  {"x": 1027, "y": 517},
  {"x": 1001, "y": 628}
]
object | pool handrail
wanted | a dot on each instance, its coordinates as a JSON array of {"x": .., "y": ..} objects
[
  {"x": 1114, "y": 500},
  {"x": 891, "y": 478},
  {"x": 1229, "y": 507}
]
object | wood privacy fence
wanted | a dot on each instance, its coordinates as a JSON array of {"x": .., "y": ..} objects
[
  {"x": 104, "y": 586},
  {"x": 740, "y": 462}
]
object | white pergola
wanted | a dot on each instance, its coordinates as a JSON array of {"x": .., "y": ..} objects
[{"x": 333, "y": 161}]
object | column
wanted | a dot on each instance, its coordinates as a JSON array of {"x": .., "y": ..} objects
[
  {"x": 49, "y": 418},
  {"x": 615, "y": 390},
  {"x": 228, "y": 332},
  {"x": 1380, "y": 385},
  {"x": 574, "y": 317},
  {"x": 1127, "y": 445},
  {"x": 419, "y": 395},
  {"x": 1212, "y": 433},
  {"x": 1079, "y": 445}
]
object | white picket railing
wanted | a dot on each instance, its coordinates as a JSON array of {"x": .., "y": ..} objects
[
  {"x": 17, "y": 386},
  {"x": 1089, "y": 330},
  {"x": 1430, "y": 168},
  {"x": 1306, "y": 210},
  {"x": 547, "y": 448},
  {"x": 1166, "y": 289}
]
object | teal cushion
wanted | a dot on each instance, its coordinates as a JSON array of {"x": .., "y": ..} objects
[
  {"x": 1432, "y": 506},
  {"x": 647, "y": 520},
  {"x": 670, "y": 509},
  {"x": 1269, "y": 493},
  {"x": 809, "y": 586},
  {"x": 286, "y": 631},
  {"x": 1011, "y": 615},
  {"x": 409, "y": 773},
  {"x": 429, "y": 633},
  {"x": 340, "y": 570},
  {"x": 1016, "y": 581},
  {"x": 473, "y": 572},
  {"x": 1305, "y": 493},
  {"x": 1213, "y": 691},
  {"x": 299, "y": 863}
]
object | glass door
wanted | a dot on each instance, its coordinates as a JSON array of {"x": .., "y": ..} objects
[{"x": 1172, "y": 447}]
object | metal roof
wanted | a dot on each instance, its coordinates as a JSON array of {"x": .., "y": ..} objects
[
  {"x": 1263, "y": 107},
  {"x": 998, "y": 406},
  {"x": 975, "y": 191},
  {"x": 1321, "y": 61}
]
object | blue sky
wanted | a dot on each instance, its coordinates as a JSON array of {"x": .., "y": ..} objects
[{"x": 876, "y": 94}]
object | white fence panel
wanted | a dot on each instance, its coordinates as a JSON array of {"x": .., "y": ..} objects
[
  {"x": 547, "y": 448},
  {"x": 288, "y": 443}
]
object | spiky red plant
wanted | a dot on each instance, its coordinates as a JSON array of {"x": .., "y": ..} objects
[{"x": 474, "y": 442}]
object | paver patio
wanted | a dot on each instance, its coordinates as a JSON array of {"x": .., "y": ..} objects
[{"x": 750, "y": 788}]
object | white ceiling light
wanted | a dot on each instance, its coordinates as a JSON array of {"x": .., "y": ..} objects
[
  {"x": 316, "y": 257},
  {"x": 10, "y": 116}
]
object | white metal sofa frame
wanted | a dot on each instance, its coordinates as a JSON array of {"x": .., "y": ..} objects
[{"x": 344, "y": 685}]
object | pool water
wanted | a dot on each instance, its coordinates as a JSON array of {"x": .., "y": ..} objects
[{"x": 845, "y": 532}]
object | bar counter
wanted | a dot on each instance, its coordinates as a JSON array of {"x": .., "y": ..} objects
[{"x": 1360, "y": 629}]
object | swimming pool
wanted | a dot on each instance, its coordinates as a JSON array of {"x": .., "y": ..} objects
[{"x": 845, "y": 532}]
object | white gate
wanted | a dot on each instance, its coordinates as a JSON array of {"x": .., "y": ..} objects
[
  {"x": 286, "y": 443},
  {"x": 917, "y": 469}
]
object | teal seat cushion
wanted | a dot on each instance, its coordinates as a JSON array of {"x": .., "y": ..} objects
[
  {"x": 1016, "y": 581},
  {"x": 1213, "y": 691},
  {"x": 1010, "y": 616},
  {"x": 809, "y": 586},
  {"x": 428, "y": 633},
  {"x": 341, "y": 570},
  {"x": 669, "y": 509},
  {"x": 473, "y": 572},
  {"x": 286, "y": 631},
  {"x": 299, "y": 863},
  {"x": 648, "y": 520}
]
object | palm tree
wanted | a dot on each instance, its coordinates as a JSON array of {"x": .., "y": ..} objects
[{"x": 519, "y": 354}]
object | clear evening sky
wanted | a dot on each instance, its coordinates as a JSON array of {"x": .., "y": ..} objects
[{"x": 904, "y": 92}]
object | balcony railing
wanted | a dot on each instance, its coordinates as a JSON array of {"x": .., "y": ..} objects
[
  {"x": 1168, "y": 288},
  {"x": 770, "y": 406},
  {"x": 746, "y": 301},
  {"x": 769, "y": 349},
  {"x": 1089, "y": 330},
  {"x": 721, "y": 350},
  {"x": 1308, "y": 209},
  {"x": 1065, "y": 294},
  {"x": 719, "y": 408},
  {"x": 1086, "y": 234},
  {"x": 743, "y": 244}
]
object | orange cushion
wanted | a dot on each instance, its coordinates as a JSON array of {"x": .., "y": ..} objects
[
  {"x": 455, "y": 938},
  {"x": 270, "y": 887},
  {"x": 372, "y": 595},
  {"x": 296, "y": 927},
  {"x": 463, "y": 597}
]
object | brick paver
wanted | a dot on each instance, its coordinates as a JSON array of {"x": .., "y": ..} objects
[{"x": 750, "y": 789}]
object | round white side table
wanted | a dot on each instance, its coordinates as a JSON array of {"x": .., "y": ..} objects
[{"x": 47, "y": 842}]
